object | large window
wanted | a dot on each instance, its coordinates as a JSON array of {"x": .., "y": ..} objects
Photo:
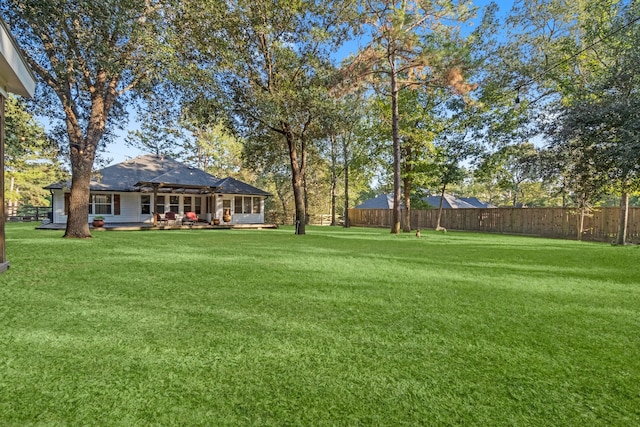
[
  {"x": 188, "y": 204},
  {"x": 174, "y": 204},
  {"x": 247, "y": 205},
  {"x": 100, "y": 204},
  {"x": 237, "y": 204},
  {"x": 160, "y": 204},
  {"x": 198, "y": 208},
  {"x": 145, "y": 204}
]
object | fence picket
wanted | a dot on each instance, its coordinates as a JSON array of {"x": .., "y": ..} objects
[{"x": 600, "y": 224}]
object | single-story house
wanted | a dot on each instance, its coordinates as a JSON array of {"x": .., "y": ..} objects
[
  {"x": 136, "y": 189},
  {"x": 385, "y": 201}
]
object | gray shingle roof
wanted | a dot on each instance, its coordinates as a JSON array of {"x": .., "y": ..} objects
[
  {"x": 385, "y": 201},
  {"x": 233, "y": 186},
  {"x": 477, "y": 203},
  {"x": 148, "y": 170}
]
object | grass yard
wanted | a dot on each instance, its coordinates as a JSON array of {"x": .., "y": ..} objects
[{"x": 338, "y": 327}]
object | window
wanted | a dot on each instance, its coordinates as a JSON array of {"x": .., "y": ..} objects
[
  {"x": 247, "y": 205},
  {"x": 198, "y": 208},
  {"x": 160, "y": 204},
  {"x": 187, "y": 203},
  {"x": 100, "y": 204},
  {"x": 174, "y": 204},
  {"x": 145, "y": 204}
]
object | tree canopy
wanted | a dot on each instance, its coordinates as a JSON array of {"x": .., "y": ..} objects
[{"x": 260, "y": 85}]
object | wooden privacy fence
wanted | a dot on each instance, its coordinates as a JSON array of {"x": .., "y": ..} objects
[{"x": 600, "y": 224}]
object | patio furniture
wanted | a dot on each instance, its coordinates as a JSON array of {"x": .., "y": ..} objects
[
  {"x": 161, "y": 220},
  {"x": 190, "y": 218},
  {"x": 170, "y": 216}
]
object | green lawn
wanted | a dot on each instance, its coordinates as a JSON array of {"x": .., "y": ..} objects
[{"x": 338, "y": 327}]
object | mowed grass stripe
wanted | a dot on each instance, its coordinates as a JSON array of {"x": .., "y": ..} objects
[{"x": 338, "y": 327}]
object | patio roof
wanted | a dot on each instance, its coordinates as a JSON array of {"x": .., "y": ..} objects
[{"x": 184, "y": 178}]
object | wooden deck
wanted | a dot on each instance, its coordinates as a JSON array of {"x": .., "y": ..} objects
[{"x": 136, "y": 226}]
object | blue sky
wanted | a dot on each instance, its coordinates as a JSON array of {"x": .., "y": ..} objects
[{"x": 118, "y": 151}]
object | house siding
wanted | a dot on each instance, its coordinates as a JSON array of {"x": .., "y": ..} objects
[
  {"x": 238, "y": 218},
  {"x": 130, "y": 209}
]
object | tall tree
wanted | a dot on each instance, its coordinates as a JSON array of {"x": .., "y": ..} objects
[
  {"x": 510, "y": 167},
  {"x": 343, "y": 148},
  {"x": 30, "y": 158},
  {"x": 413, "y": 43},
  {"x": 593, "y": 54},
  {"x": 275, "y": 69},
  {"x": 159, "y": 131},
  {"x": 89, "y": 55}
]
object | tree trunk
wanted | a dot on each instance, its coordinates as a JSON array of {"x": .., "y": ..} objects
[
  {"x": 439, "y": 217},
  {"x": 624, "y": 218},
  {"x": 345, "y": 156},
  {"x": 305, "y": 191},
  {"x": 334, "y": 179},
  {"x": 297, "y": 176},
  {"x": 78, "y": 218},
  {"x": 333, "y": 199},
  {"x": 406, "y": 223},
  {"x": 581, "y": 222},
  {"x": 82, "y": 150},
  {"x": 395, "y": 133}
]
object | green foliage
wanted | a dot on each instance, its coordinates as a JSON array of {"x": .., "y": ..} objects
[
  {"x": 31, "y": 159},
  {"x": 263, "y": 328},
  {"x": 510, "y": 168},
  {"x": 89, "y": 56}
]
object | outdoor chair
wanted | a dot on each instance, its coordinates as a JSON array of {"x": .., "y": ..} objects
[
  {"x": 160, "y": 219},
  {"x": 170, "y": 216},
  {"x": 190, "y": 218}
]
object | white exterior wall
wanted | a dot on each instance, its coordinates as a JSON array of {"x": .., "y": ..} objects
[
  {"x": 237, "y": 218},
  {"x": 58, "y": 207},
  {"x": 130, "y": 209}
]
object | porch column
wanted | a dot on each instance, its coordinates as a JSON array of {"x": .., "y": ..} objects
[
  {"x": 4, "y": 264},
  {"x": 214, "y": 204},
  {"x": 155, "y": 203}
]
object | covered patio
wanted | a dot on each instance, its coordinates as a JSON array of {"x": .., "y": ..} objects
[{"x": 157, "y": 191}]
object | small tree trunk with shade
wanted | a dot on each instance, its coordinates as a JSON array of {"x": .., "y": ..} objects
[{"x": 624, "y": 219}]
